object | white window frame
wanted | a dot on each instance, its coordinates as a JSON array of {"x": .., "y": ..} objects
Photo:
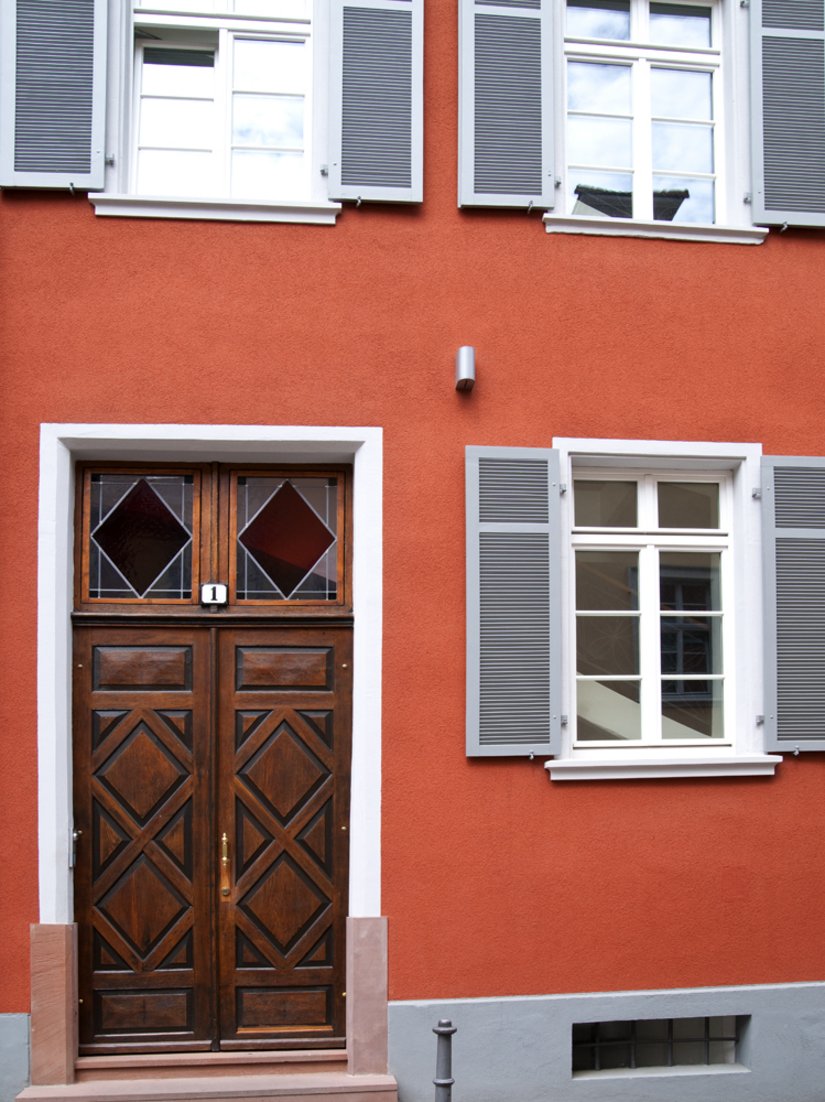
[
  {"x": 641, "y": 58},
  {"x": 118, "y": 199},
  {"x": 646, "y": 539},
  {"x": 732, "y": 125},
  {"x": 740, "y": 752}
]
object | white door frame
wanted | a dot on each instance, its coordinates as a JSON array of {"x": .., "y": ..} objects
[{"x": 61, "y": 445}]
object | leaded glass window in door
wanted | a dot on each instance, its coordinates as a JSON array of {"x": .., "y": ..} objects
[
  {"x": 150, "y": 537},
  {"x": 141, "y": 536},
  {"x": 287, "y": 538}
]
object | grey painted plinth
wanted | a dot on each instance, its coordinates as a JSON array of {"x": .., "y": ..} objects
[
  {"x": 518, "y": 1049},
  {"x": 14, "y": 1054}
]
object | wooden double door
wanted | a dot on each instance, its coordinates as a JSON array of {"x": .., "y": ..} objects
[{"x": 211, "y": 804}]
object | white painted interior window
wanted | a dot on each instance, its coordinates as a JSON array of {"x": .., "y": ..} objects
[
  {"x": 222, "y": 100},
  {"x": 652, "y": 607},
  {"x": 644, "y": 95}
]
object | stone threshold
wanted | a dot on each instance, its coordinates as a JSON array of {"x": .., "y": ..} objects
[{"x": 290, "y": 1086}]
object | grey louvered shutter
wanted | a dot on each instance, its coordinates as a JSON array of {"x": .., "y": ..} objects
[
  {"x": 788, "y": 111},
  {"x": 52, "y": 93},
  {"x": 376, "y": 109},
  {"x": 505, "y": 109},
  {"x": 793, "y": 500},
  {"x": 513, "y": 602}
]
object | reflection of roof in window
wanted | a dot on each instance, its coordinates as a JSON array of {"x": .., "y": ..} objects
[
  {"x": 619, "y": 204},
  {"x": 155, "y": 55},
  {"x": 601, "y": 5}
]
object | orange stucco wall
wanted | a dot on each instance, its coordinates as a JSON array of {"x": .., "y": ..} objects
[{"x": 495, "y": 880}]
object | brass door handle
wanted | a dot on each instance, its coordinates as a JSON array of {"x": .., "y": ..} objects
[{"x": 224, "y": 864}]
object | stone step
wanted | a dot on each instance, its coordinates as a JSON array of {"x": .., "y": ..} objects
[
  {"x": 187, "y": 1065},
  {"x": 282, "y": 1087}
]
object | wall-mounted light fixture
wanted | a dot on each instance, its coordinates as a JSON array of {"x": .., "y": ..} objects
[{"x": 465, "y": 367}]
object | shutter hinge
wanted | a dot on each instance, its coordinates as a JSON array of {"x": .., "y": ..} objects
[
  {"x": 760, "y": 721},
  {"x": 562, "y": 488},
  {"x": 325, "y": 170},
  {"x": 756, "y": 494},
  {"x": 109, "y": 160},
  {"x": 563, "y": 720},
  {"x": 744, "y": 3}
]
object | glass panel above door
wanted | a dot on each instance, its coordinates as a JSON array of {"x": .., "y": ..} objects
[
  {"x": 216, "y": 537},
  {"x": 140, "y": 536},
  {"x": 287, "y": 543}
]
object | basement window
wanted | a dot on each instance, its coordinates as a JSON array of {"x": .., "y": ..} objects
[{"x": 655, "y": 1043}]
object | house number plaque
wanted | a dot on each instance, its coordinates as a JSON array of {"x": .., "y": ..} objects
[{"x": 214, "y": 593}]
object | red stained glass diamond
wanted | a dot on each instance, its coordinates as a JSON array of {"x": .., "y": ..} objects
[
  {"x": 286, "y": 538},
  {"x": 141, "y": 536}
]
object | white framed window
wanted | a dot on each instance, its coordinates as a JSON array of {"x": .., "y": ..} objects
[
  {"x": 223, "y": 103},
  {"x": 239, "y": 110},
  {"x": 652, "y": 608},
  {"x": 615, "y": 609},
  {"x": 661, "y": 570},
  {"x": 616, "y": 117},
  {"x": 219, "y": 109},
  {"x": 644, "y": 110}
]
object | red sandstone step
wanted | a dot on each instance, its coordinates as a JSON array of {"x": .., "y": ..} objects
[
  {"x": 281, "y": 1087},
  {"x": 189, "y": 1065}
]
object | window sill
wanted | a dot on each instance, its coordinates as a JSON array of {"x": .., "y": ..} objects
[
  {"x": 632, "y": 768},
  {"x": 664, "y": 1073},
  {"x": 624, "y": 227},
  {"x": 221, "y": 210}
]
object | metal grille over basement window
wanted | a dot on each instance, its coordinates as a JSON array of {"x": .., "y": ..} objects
[{"x": 654, "y": 1043}]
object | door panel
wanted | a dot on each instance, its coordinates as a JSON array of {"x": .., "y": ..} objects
[
  {"x": 285, "y": 698},
  {"x": 142, "y": 887},
  {"x": 212, "y": 793}
]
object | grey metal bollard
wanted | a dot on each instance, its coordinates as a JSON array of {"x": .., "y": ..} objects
[{"x": 444, "y": 1060}]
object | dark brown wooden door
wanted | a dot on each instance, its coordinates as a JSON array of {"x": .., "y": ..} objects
[
  {"x": 283, "y": 803},
  {"x": 211, "y": 793}
]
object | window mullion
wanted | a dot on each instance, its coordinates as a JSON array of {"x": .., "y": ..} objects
[
  {"x": 720, "y": 175},
  {"x": 137, "y": 83},
  {"x": 728, "y": 636},
  {"x": 650, "y": 663},
  {"x": 642, "y": 142},
  {"x": 223, "y": 147}
]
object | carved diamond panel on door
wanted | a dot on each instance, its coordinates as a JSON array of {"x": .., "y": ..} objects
[
  {"x": 142, "y": 877},
  {"x": 284, "y": 745}
]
